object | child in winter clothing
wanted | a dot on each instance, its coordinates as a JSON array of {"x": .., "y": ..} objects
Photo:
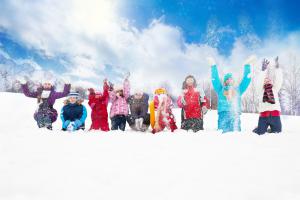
[
  {"x": 229, "y": 96},
  {"x": 164, "y": 117},
  {"x": 98, "y": 103},
  {"x": 269, "y": 83},
  {"x": 46, "y": 96},
  {"x": 139, "y": 119},
  {"x": 194, "y": 105},
  {"x": 119, "y": 107},
  {"x": 73, "y": 114}
]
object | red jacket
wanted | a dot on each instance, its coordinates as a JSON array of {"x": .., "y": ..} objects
[
  {"x": 99, "y": 104},
  {"x": 193, "y": 103}
]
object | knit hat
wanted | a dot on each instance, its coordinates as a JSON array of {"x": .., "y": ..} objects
[
  {"x": 73, "y": 94},
  {"x": 160, "y": 91}
]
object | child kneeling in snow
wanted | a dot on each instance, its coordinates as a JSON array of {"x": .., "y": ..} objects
[
  {"x": 98, "y": 102},
  {"x": 73, "y": 114},
  {"x": 119, "y": 106},
  {"x": 269, "y": 83},
  {"x": 139, "y": 118},
  {"x": 229, "y": 96},
  {"x": 46, "y": 96},
  {"x": 164, "y": 116},
  {"x": 194, "y": 105}
]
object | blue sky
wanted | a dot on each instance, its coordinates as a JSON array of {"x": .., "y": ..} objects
[
  {"x": 90, "y": 39},
  {"x": 193, "y": 17}
]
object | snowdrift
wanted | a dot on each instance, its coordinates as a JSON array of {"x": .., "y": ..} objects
[{"x": 41, "y": 164}]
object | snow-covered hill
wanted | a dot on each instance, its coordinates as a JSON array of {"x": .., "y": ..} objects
[{"x": 41, "y": 164}]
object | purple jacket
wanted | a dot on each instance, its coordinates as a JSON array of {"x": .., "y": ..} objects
[{"x": 50, "y": 111}]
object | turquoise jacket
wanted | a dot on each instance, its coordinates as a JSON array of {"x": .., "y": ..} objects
[{"x": 235, "y": 104}]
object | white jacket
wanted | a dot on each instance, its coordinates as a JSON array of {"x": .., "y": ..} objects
[{"x": 276, "y": 76}]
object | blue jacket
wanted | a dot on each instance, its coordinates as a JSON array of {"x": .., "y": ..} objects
[
  {"x": 223, "y": 103},
  {"x": 73, "y": 112}
]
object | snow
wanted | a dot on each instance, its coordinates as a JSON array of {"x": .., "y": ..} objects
[{"x": 41, "y": 164}]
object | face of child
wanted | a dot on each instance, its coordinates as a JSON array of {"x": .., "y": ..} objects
[
  {"x": 119, "y": 93},
  {"x": 189, "y": 82},
  {"x": 47, "y": 86},
  {"x": 229, "y": 81},
  {"x": 72, "y": 100},
  {"x": 267, "y": 81}
]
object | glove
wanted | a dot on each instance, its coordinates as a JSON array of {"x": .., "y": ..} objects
[
  {"x": 66, "y": 124},
  {"x": 204, "y": 110},
  {"x": 23, "y": 80},
  {"x": 211, "y": 61},
  {"x": 111, "y": 86},
  {"x": 250, "y": 60},
  {"x": 276, "y": 62},
  {"x": 77, "y": 123},
  {"x": 265, "y": 64}
]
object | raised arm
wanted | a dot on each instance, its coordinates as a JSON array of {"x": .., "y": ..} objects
[
  {"x": 126, "y": 86},
  {"x": 146, "y": 104},
  {"x": 278, "y": 79},
  {"x": 84, "y": 115},
  {"x": 246, "y": 79},
  {"x": 215, "y": 79},
  {"x": 66, "y": 91},
  {"x": 27, "y": 92}
]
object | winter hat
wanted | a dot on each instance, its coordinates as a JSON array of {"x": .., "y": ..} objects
[
  {"x": 160, "y": 91},
  {"x": 73, "y": 94}
]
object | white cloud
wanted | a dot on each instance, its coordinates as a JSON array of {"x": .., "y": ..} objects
[{"x": 91, "y": 35}]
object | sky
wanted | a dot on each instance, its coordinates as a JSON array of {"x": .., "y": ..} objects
[{"x": 158, "y": 41}]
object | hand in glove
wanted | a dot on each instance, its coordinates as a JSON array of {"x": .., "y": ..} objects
[
  {"x": 66, "y": 124},
  {"x": 276, "y": 62},
  {"x": 78, "y": 123},
  {"x": 265, "y": 64},
  {"x": 211, "y": 61}
]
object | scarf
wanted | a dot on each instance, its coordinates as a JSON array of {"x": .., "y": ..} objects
[{"x": 268, "y": 94}]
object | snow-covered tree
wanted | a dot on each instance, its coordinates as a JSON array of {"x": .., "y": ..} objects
[{"x": 290, "y": 93}]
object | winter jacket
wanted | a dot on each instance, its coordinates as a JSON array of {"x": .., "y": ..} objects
[
  {"x": 73, "y": 112},
  {"x": 235, "y": 104},
  {"x": 276, "y": 76},
  {"x": 99, "y": 105},
  {"x": 46, "y": 105},
  {"x": 119, "y": 104},
  {"x": 193, "y": 103},
  {"x": 138, "y": 107}
]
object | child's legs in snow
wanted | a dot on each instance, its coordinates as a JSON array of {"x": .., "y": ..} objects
[
  {"x": 226, "y": 121},
  {"x": 262, "y": 126},
  {"x": 122, "y": 123},
  {"x": 42, "y": 119},
  {"x": 114, "y": 123},
  {"x": 275, "y": 124}
]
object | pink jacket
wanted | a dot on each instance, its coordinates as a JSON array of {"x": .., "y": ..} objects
[{"x": 119, "y": 105}]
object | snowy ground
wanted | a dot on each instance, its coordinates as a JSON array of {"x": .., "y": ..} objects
[{"x": 40, "y": 164}]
